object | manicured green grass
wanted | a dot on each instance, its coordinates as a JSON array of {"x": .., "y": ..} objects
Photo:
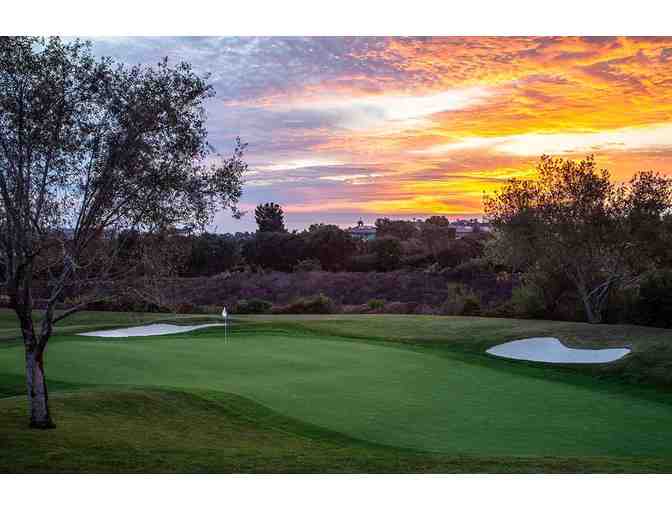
[
  {"x": 166, "y": 431},
  {"x": 650, "y": 362},
  {"x": 420, "y": 388}
]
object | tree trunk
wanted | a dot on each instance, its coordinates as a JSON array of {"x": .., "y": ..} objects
[
  {"x": 38, "y": 398},
  {"x": 593, "y": 313},
  {"x": 594, "y": 317}
]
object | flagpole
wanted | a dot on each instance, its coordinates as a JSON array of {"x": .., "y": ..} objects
[{"x": 225, "y": 315}]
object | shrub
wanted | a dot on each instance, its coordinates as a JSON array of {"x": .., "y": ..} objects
[
  {"x": 376, "y": 304},
  {"x": 398, "y": 307},
  {"x": 623, "y": 306},
  {"x": 654, "y": 304},
  {"x": 527, "y": 301},
  {"x": 472, "y": 268},
  {"x": 426, "y": 310},
  {"x": 354, "y": 308},
  {"x": 307, "y": 265},
  {"x": 461, "y": 301},
  {"x": 245, "y": 306},
  {"x": 472, "y": 305},
  {"x": 418, "y": 260},
  {"x": 362, "y": 263},
  {"x": 311, "y": 304},
  {"x": 505, "y": 310}
]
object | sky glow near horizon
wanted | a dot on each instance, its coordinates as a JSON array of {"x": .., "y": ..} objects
[{"x": 342, "y": 128}]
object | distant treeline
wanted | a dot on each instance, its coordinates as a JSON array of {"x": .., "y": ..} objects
[{"x": 399, "y": 244}]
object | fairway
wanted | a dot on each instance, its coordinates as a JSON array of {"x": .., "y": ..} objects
[{"x": 407, "y": 396}]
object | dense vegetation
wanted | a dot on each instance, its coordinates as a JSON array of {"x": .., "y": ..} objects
[
  {"x": 411, "y": 267},
  {"x": 569, "y": 245}
]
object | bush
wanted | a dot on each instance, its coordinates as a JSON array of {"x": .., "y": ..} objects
[
  {"x": 362, "y": 263},
  {"x": 654, "y": 304},
  {"x": 354, "y": 309},
  {"x": 415, "y": 261},
  {"x": 307, "y": 265},
  {"x": 376, "y": 304},
  {"x": 426, "y": 310},
  {"x": 461, "y": 301},
  {"x": 472, "y": 268},
  {"x": 245, "y": 306},
  {"x": 312, "y": 304},
  {"x": 528, "y": 302},
  {"x": 471, "y": 306},
  {"x": 397, "y": 307}
]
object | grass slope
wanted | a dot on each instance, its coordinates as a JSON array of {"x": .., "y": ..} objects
[{"x": 138, "y": 430}]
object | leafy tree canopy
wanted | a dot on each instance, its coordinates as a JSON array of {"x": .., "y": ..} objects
[
  {"x": 574, "y": 218},
  {"x": 270, "y": 217},
  {"x": 89, "y": 148}
]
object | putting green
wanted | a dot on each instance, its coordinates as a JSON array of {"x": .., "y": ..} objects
[{"x": 393, "y": 395}]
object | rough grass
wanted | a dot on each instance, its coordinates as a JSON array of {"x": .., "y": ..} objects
[{"x": 357, "y": 394}]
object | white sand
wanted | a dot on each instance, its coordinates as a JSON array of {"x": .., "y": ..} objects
[
  {"x": 150, "y": 330},
  {"x": 551, "y": 350}
]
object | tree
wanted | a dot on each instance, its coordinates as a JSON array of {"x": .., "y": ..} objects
[
  {"x": 161, "y": 257},
  {"x": 330, "y": 245},
  {"x": 213, "y": 254},
  {"x": 387, "y": 251},
  {"x": 459, "y": 251},
  {"x": 275, "y": 250},
  {"x": 401, "y": 229},
  {"x": 90, "y": 148},
  {"x": 270, "y": 218},
  {"x": 436, "y": 237},
  {"x": 439, "y": 221},
  {"x": 573, "y": 218}
]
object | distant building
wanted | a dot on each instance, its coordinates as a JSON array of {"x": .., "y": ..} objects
[
  {"x": 465, "y": 227},
  {"x": 462, "y": 230},
  {"x": 363, "y": 232}
]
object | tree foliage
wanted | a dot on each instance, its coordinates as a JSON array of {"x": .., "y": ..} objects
[
  {"x": 401, "y": 229},
  {"x": 212, "y": 254},
  {"x": 90, "y": 148},
  {"x": 573, "y": 218},
  {"x": 388, "y": 253},
  {"x": 270, "y": 217},
  {"x": 275, "y": 250},
  {"x": 331, "y": 245}
]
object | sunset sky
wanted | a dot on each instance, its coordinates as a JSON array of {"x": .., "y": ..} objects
[{"x": 343, "y": 128}]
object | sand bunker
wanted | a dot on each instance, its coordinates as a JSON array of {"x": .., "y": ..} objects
[
  {"x": 551, "y": 350},
  {"x": 150, "y": 330}
]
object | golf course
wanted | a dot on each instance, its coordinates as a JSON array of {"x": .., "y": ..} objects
[{"x": 337, "y": 393}]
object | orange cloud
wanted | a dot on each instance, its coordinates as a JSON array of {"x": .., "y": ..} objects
[{"x": 460, "y": 115}]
